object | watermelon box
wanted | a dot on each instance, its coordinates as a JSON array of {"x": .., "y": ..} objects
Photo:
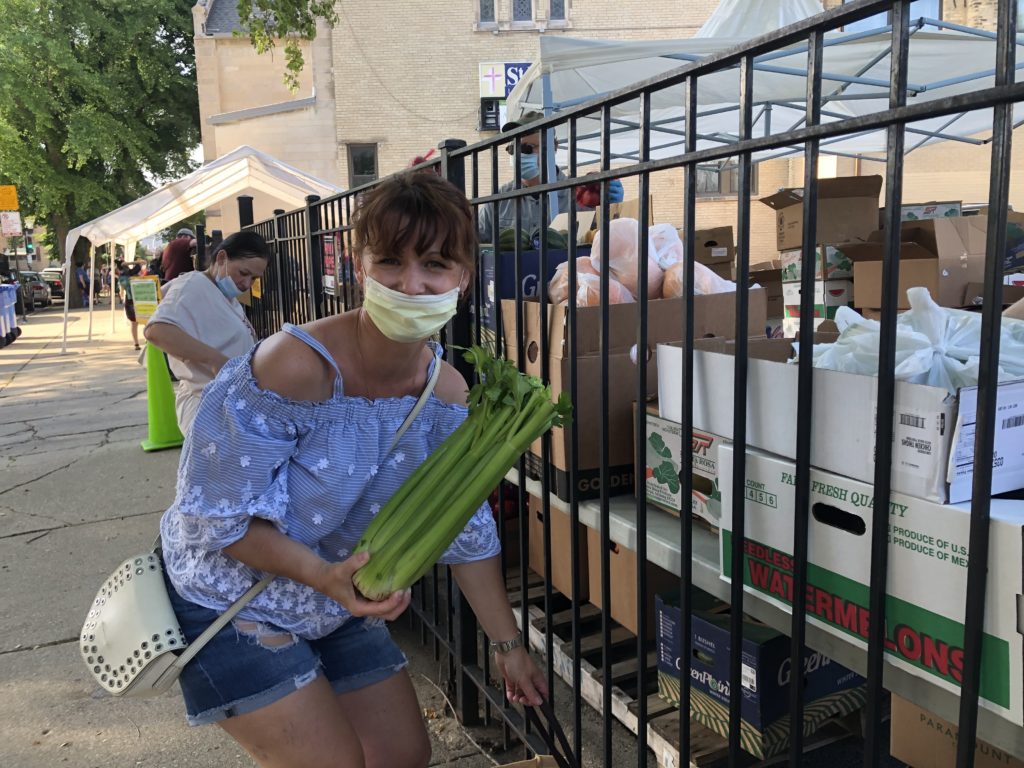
[
  {"x": 927, "y": 579},
  {"x": 830, "y": 689},
  {"x": 830, "y": 263},
  {"x": 829, "y": 296}
]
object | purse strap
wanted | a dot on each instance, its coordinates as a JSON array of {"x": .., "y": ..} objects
[
  {"x": 435, "y": 373},
  {"x": 197, "y": 645},
  {"x": 553, "y": 735}
]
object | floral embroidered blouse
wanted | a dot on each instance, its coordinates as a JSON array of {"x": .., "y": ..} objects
[{"x": 318, "y": 471}]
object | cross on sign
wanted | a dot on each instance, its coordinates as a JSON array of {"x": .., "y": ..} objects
[{"x": 494, "y": 76}]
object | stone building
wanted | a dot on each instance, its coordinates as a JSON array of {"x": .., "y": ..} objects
[{"x": 391, "y": 80}]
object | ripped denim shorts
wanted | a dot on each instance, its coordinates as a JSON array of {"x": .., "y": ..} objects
[{"x": 249, "y": 665}]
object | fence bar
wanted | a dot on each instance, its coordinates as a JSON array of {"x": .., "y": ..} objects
[
  {"x": 739, "y": 419},
  {"x": 874, "y": 738},
  {"x": 640, "y": 480},
  {"x": 574, "y": 441},
  {"x": 805, "y": 396},
  {"x": 686, "y": 431},
  {"x": 605, "y": 565},
  {"x": 244, "y": 211},
  {"x": 988, "y": 382},
  {"x": 315, "y": 252}
]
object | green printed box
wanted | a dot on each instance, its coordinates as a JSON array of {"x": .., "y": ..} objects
[
  {"x": 830, "y": 263},
  {"x": 927, "y": 579},
  {"x": 663, "y": 449}
]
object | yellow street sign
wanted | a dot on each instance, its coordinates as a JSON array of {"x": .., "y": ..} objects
[{"x": 8, "y": 197}]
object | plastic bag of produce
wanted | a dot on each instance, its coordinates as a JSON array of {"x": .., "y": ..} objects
[
  {"x": 623, "y": 239},
  {"x": 934, "y": 345}
]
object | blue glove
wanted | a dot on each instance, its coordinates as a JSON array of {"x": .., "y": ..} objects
[{"x": 615, "y": 194}]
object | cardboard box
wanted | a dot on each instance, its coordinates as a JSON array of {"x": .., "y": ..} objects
[
  {"x": 943, "y": 255},
  {"x": 829, "y": 688},
  {"x": 923, "y": 211},
  {"x": 847, "y": 211},
  {"x": 622, "y": 572},
  {"x": 714, "y": 246},
  {"x": 714, "y": 315},
  {"x": 829, "y": 296},
  {"x": 791, "y": 327},
  {"x": 627, "y": 209},
  {"x": 933, "y": 445},
  {"x": 663, "y": 449},
  {"x": 584, "y": 223},
  {"x": 923, "y": 740},
  {"x": 974, "y": 294},
  {"x": 830, "y": 263},
  {"x": 561, "y": 548},
  {"x": 927, "y": 576},
  {"x": 499, "y": 277}
]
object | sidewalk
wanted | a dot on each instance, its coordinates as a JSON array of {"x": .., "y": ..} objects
[{"x": 77, "y": 496}]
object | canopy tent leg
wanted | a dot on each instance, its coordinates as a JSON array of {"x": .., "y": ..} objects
[{"x": 92, "y": 285}]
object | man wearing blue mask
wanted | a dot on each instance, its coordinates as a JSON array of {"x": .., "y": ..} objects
[{"x": 536, "y": 213}]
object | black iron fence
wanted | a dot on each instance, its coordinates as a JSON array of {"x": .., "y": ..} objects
[{"x": 312, "y": 276}]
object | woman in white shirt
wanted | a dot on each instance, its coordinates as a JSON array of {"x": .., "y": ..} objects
[{"x": 199, "y": 322}]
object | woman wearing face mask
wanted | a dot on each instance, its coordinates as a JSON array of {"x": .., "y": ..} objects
[
  {"x": 199, "y": 322},
  {"x": 295, "y": 448}
]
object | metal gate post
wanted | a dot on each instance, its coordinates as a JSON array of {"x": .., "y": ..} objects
[
  {"x": 467, "y": 696},
  {"x": 314, "y": 247},
  {"x": 200, "y": 247},
  {"x": 279, "y": 234}
]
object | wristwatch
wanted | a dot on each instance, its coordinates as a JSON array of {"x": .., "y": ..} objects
[{"x": 504, "y": 646}]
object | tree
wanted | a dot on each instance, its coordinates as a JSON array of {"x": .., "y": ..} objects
[
  {"x": 98, "y": 98},
  {"x": 266, "y": 20}
]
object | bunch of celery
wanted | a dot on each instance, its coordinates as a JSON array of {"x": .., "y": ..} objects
[{"x": 507, "y": 411}]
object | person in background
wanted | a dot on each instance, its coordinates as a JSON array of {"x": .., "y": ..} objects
[
  {"x": 535, "y": 212},
  {"x": 125, "y": 274},
  {"x": 199, "y": 322},
  {"x": 82, "y": 276},
  {"x": 176, "y": 258},
  {"x": 291, "y": 455}
]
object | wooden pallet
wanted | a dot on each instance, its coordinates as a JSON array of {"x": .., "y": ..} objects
[{"x": 707, "y": 748}]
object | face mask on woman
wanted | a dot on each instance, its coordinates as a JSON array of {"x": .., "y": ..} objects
[
  {"x": 406, "y": 318},
  {"x": 227, "y": 287}
]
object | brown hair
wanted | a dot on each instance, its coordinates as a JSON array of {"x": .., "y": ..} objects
[{"x": 417, "y": 209}]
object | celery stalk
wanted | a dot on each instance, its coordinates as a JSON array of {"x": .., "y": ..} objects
[{"x": 507, "y": 412}]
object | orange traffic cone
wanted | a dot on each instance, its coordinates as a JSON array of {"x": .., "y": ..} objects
[{"x": 163, "y": 423}]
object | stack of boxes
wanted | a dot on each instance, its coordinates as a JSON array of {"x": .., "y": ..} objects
[{"x": 847, "y": 213}]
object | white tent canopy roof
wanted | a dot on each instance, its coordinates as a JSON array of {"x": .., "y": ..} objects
[
  {"x": 945, "y": 60},
  {"x": 240, "y": 169}
]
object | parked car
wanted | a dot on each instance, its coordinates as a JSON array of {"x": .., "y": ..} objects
[
  {"x": 54, "y": 277},
  {"x": 35, "y": 286}
]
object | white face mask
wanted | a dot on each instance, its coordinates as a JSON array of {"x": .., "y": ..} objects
[{"x": 406, "y": 318}]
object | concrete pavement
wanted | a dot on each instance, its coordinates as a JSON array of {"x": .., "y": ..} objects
[{"x": 77, "y": 496}]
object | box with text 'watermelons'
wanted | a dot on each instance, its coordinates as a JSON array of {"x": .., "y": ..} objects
[{"x": 927, "y": 575}]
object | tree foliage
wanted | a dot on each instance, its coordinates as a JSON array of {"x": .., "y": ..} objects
[
  {"x": 97, "y": 99},
  {"x": 267, "y": 20}
]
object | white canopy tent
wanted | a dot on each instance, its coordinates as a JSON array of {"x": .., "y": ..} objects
[
  {"x": 241, "y": 169},
  {"x": 944, "y": 60}
]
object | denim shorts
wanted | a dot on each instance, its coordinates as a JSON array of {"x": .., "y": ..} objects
[{"x": 249, "y": 665}]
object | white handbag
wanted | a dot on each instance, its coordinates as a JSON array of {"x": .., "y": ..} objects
[
  {"x": 131, "y": 641},
  {"x": 131, "y": 638}
]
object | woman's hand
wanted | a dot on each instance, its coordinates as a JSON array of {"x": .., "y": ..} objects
[
  {"x": 524, "y": 682},
  {"x": 335, "y": 581}
]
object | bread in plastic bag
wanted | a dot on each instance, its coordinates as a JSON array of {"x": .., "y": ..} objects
[
  {"x": 588, "y": 292},
  {"x": 668, "y": 247},
  {"x": 558, "y": 287},
  {"x": 705, "y": 281},
  {"x": 622, "y": 257},
  {"x": 936, "y": 346}
]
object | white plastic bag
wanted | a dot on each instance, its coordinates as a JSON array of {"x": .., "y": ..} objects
[
  {"x": 623, "y": 240},
  {"x": 935, "y": 346}
]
